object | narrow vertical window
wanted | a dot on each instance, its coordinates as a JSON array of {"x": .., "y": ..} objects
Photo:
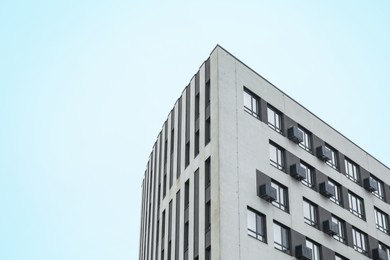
[
  {"x": 281, "y": 201},
  {"x": 306, "y": 142},
  {"x": 333, "y": 157},
  {"x": 359, "y": 241},
  {"x": 310, "y": 213},
  {"x": 274, "y": 119},
  {"x": 337, "y": 192},
  {"x": 356, "y": 205},
  {"x": 276, "y": 155},
  {"x": 178, "y": 167},
  {"x": 187, "y": 155},
  {"x": 256, "y": 225},
  {"x": 170, "y": 230},
  {"x": 281, "y": 238},
  {"x": 196, "y": 213},
  {"x": 309, "y": 181},
  {"x": 207, "y": 134},
  {"x": 177, "y": 229},
  {"x": 197, "y": 114},
  {"x": 380, "y": 192},
  {"x": 352, "y": 170},
  {"x": 381, "y": 220},
  {"x": 251, "y": 103},
  {"x": 340, "y": 236},
  {"x": 163, "y": 234},
  {"x": 315, "y": 249},
  {"x": 186, "y": 212}
]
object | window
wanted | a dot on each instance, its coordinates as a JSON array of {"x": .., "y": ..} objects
[
  {"x": 384, "y": 248},
  {"x": 309, "y": 181},
  {"x": 276, "y": 155},
  {"x": 333, "y": 157},
  {"x": 337, "y": 192},
  {"x": 306, "y": 143},
  {"x": 274, "y": 119},
  {"x": 251, "y": 103},
  {"x": 281, "y": 196},
  {"x": 256, "y": 225},
  {"x": 315, "y": 249},
  {"x": 310, "y": 213},
  {"x": 281, "y": 238},
  {"x": 341, "y": 229},
  {"x": 352, "y": 170},
  {"x": 381, "y": 220},
  {"x": 339, "y": 257},
  {"x": 359, "y": 241},
  {"x": 356, "y": 205},
  {"x": 380, "y": 193}
]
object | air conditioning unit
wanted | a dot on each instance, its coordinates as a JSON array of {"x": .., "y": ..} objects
[
  {"x": 324, "y": 153},
  {"x": 370, "y": 184},
  {"x": 298, "y": 172},
  {"x": 330, "y": 228},
  {"x": 303, "y": 253},
  {"x": 379, "y": 254},
  {"x": 294, "y": 134},
  {"x": 267, "y": 192},
  {"x": 326, "y": 189}
]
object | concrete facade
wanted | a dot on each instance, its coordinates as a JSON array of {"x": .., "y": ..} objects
[{"x": 209, "y": 134}]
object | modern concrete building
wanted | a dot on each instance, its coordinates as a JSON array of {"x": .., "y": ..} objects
[{"x": 241, "y": 171}]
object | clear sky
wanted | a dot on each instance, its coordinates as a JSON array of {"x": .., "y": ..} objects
[{"x": 85, "y": 87}]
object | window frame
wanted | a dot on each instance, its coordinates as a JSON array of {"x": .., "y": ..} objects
[
  {"x": 284, "y": 244},
  {"x": 279, "y": 156},
  {"x": 254, "y": 100},
  {"x": 337, "y": 198},
  {"x": 341, "y": 227},
  {"x": 315, "y": 249},
  {"x": 306, "y": 143},
  {"x": 380, "y": 192},
  {"x": 260, "y": 224},
  {"x": 276, "y": 123},
  {"x": 384, "y": 248},
  {"x": 359, "y": 241},
  {"x": 356, "y": 205},
  {"x": 352, "y": 170},
  {"x": 312, "y": 211},
  {"x": 309, "y": 181},
  {"x": 333, "y": 162},
  {"x": 281, "y": 201},
  {"x": 339, "y": 257},
  {"x": 381, "y": 220}
]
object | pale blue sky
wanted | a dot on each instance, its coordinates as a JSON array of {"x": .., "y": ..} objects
[{"x": 85, "y": 87}]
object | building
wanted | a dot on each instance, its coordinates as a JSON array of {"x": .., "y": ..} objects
[{"x": 241, "y": 171}]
